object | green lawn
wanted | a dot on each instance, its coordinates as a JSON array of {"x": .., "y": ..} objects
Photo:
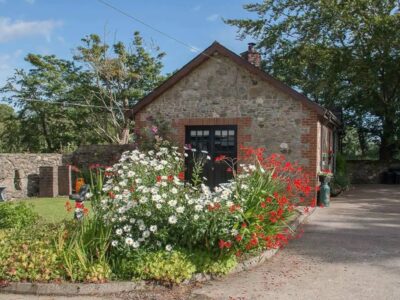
[{"x": 52, "y": 209}]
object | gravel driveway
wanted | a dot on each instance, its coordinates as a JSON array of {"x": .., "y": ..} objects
[{"x": 350, "y": 250}]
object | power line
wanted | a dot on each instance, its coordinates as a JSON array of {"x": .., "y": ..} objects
[
  {"x": 65, "y": 104},
  {"x": 149, "y": 26},
  {"x": 191, "y": 48}
]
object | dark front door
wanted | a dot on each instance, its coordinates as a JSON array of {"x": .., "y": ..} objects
[{"x": 216, "y": 140}]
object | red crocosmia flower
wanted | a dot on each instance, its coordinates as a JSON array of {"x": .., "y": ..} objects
[
  {"x": 181, "y": 176},
  {"x": 220, "y": 158},
  {"x": 307, "y": 190},
  {"x": 313, "y": 202},
  {"x": 170, "y": 177},
  {"x": 268, "y": 200},
  {"x": 221, "y": 244},
  {"x": 297, "y": 183},
  {"x": 111, "y": 195},
  {"x": 238, "y": 253},
  {"x": 238, "y": 238},
  {"x": 229, "y": 170},
  {"x": 244, "y": 225},
  {"x": 68, "y": 206},
  {"x": 158, "y": 178},
  {"x": 260, "y": 217},
  {"x": 263, "y": 204},
  {"x": 254, "y": 241},
  {"x": 85, "y": 211},
  {"x": 228, "y": 244}
]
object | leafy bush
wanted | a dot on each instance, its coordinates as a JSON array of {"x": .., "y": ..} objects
[
  {"x": 82, "y": 247},
  {"x": 150, "y": 207},
  {"x": 172, "y": 267},
  {"x": 16, "y": 215},
  {"x": 205, "y": 263},
  {"x": 29, "y": 254},
  {"x": 341, "y": 181}
]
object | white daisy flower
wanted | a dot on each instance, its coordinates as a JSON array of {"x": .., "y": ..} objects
[
  {"x": 172, "y": 220},
  {"x": 180, "y": 209}
]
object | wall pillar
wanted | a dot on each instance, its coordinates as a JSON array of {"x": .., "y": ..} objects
[
  {"x": 48, "y": 181},
  {"x": 64, "y": 181}
]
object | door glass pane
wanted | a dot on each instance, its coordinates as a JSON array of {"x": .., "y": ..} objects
[
  {"x": 217, "y": 132},
  {"x": 231, "y": 132},
  {"x": 192, "y": 132}
]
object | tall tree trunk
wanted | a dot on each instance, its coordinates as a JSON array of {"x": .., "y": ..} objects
[
  {"x": 124, "y": 134},
  {"x": 362, "y": 140},
  {"x": 46, "y": 132},
  {"x": 387, "y": 148}
]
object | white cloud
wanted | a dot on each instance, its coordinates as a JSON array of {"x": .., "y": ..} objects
[
  {"x": 11, "y": 30},
  {"x": 30, "y": 1},
  {"x": 7, "y": 65},
  {"x": 212, "y": 18}
]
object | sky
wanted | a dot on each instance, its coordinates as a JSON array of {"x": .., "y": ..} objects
[{"x": 56, "y": 27}]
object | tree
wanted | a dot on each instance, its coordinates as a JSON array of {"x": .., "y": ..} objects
[
  {"x": 338, "y": 53},
  {"x": 62, "y": 104},
  {"x": 120, "y": 78},
  {"x": 47, "y": 125},
  {"x": 9, "y": 129}
]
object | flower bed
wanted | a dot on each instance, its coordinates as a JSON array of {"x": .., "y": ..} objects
[{"x": 148, "y": 223}]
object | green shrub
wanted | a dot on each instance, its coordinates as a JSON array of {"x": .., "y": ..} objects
[
  {"x": 205, "y": 263},
  {"x": 341, "y": 179},
  {"x": 171, "y": 267},
  {"x": 82, "y": 247},
  {"x": 29, "y": 255},
  {"x": 16, "y": 215}
]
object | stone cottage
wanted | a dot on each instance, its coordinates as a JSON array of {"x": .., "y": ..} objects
[{"x": 220, "y": 100}]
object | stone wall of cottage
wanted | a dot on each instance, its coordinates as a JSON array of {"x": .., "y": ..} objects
[
  {"x": 19, "y": 173},
  {"x": 222, "y": 90}
]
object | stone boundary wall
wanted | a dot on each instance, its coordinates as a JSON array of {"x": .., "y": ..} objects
[
  {"x": 369, "y": 171},
  {"x": 105, "y": 155},
  {"x": 19, "y": 172}
]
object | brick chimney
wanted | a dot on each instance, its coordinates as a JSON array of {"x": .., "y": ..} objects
[{"x": 252, "y": 55}]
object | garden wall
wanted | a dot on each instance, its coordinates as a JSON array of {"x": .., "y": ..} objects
[
  {"x": 369, "y": 171},
  {"x": 27, "y": 175},
  {"x": 19, "y": 173},
  {"x": 105, "y": 155}
]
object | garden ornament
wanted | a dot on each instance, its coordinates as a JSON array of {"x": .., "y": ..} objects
[{"x": 79, "y": 199}]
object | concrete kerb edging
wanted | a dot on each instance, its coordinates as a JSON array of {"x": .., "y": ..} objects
[{"x": 90, "y": 289}]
